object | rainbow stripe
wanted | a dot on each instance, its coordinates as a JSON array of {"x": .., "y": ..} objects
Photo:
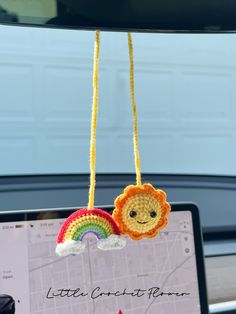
[{"x": 84, "y": 221}]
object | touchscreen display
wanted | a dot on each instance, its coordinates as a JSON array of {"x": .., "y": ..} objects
[{"x": 146, "y": 277}]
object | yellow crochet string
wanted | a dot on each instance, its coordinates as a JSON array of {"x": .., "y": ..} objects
[
  {"x": 134, "y": 110},
  {"x": 94, "y": 123}
]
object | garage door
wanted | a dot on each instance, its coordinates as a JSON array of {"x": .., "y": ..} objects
[{"x": 185, "y": 90}]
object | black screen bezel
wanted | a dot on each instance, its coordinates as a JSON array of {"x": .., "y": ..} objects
[{"x": 29, "y": 215}]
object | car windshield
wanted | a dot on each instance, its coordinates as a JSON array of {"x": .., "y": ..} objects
[{"x": 185, "y": 93}]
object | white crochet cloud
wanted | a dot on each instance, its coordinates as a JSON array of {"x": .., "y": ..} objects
[
  {"x": 70, "y": 247},
  {"x": 113, "y": 242}
]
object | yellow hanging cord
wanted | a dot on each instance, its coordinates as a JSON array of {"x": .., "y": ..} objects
[
  {"x": 94, "y": 123},
  {"x": 134, "y": 110}
]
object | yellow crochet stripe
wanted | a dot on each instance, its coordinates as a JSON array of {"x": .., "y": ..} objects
[
  {"x": 134, "y": 111},
  {"x": 94, "y": 123}
]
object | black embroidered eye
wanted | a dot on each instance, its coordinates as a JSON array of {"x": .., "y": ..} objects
[
  {"x": 133, "y": 214},
  {"x": 153, "y": 214}
]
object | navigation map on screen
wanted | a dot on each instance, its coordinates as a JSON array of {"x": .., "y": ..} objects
[{"x": 146, "y": 277}]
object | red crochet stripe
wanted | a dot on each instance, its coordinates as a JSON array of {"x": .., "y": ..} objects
[{"x": 82, "y": 212}]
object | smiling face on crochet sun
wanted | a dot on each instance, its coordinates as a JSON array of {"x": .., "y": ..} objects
[{"x": 141, "y": 211}]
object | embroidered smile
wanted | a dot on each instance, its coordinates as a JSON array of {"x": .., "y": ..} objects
[{"x": 142, "y": 222}]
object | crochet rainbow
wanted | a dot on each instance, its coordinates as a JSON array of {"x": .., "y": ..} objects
[{"x": 84, "y": 222}]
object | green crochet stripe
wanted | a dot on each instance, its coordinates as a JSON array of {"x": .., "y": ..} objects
[{"x": 99, "y": 231}]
